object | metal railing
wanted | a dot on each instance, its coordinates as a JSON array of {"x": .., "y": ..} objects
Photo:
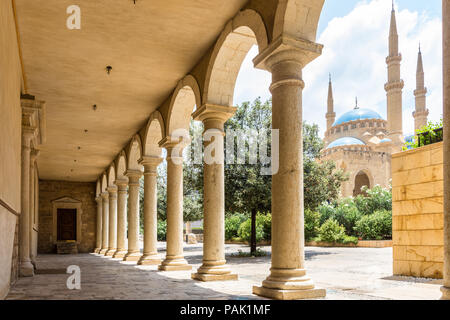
[{"x": 430, "y": 137}]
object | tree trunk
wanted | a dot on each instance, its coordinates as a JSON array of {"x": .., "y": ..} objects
[{"x": 253, "y": 234}]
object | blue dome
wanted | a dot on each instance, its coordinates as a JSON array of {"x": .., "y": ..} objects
[
  {"x": 357, "y": 114},
  {"x": 386, "y": 140},
  {"x": 346, "y": 141}
]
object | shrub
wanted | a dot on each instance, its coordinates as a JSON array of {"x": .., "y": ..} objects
[
  {"x": 232, "y": 224},
  {"x": 347, "y": 214},
  {"x": 162, "y": 230},
  {"x": 376, "y": 199},
  {"x": 331, "y": 231},
  {"x": 432, "y": 135},
  {"x": 265, "y": 220},
  {"x": 376, "y": 226},
  {"x": 350, "y": 239},
  {"x": 326, "y": 212},
  {"x": 312, "y": 224},
  {"x": 245, "y": 228}
]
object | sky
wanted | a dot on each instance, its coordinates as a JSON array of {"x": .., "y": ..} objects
[{"x": 355, "y": 38}]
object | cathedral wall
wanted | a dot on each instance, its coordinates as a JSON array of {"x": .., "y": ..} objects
[
  {"x": 417, "y": 212},
  {"x": 10, "y": 145}
]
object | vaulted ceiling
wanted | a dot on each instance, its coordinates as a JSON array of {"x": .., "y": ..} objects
[{"x": 150, "y": 45}]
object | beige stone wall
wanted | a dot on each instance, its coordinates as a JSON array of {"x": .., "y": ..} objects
[
  {"x": 81, "y": 191},
  {"x": 417, "y": 201},
  {"x": 10, "y": 140}
]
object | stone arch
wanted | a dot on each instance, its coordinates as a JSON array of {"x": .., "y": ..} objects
[
  {"x": 185, "y": 97},
  {"x": 111, "y": 175},
  {"x": 361, "y": 178},
  {"x": 104, "y": 182},
  {"x": 240, "y": 34},
  {"x": 121, "y": 165},
  {"x": 134, "y": 153},
  {"x": 154, "y": 133},
  {"x": 298, "y": 19}
]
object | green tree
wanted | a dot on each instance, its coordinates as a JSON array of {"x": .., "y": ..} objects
[{"x": 246, "y": 189}]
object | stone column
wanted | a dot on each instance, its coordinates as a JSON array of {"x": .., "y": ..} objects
[
  {"x": 112, "y": 232},
  {"x": 26, "y": 269},
  {"x": 122, "y": 185},
  {"x": 285, "y": 59},
  {"x": 446, "y": 66},
  {"x": 105, "y": 222},
  {"x": 150, "y": 256},
  {"x": 134, "y": 252},
  {"x": 214, "y": 267},
  {"x": 174, "y": 255},
  {"x": 33, "y": 156},
  {"x": 98, "y": 245}
]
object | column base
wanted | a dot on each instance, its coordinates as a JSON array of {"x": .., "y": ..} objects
[
  {"x": 152, "y": 259},
  {"x": 174, "y": 268},
  {"x": 26, "y": 269},
  {"x": 214, "y": 271},
  {"x": 110, "y": 252},
  {"x": 97, "y": 250},
  {"x": 120, "y": 254},
  {"x": 214, "y": 277},
  {"x": 174, "y": 264},
  {"x": 103, "y": 251},
  {"x": 132, "y": 256},
  {"x": 279, "y": 294},
  {"x": 288, "y": 284},
  {"x": 445, "y": 293}
]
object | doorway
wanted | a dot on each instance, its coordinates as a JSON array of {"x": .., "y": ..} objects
[{"x": 66, "y": 224}]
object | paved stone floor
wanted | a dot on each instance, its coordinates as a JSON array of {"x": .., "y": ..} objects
[{"x": 346, "y": 273}]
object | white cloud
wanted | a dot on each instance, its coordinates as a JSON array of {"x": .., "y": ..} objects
[{"x": 355, "y": 49}]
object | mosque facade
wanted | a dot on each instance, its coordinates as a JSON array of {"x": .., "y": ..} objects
[{"x": 360, "y": 141}]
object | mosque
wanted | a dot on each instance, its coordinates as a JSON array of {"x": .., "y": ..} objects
[{"x": 360, "y": 141}]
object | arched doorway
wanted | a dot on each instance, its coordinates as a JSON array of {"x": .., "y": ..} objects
[{"x": 361, "y": 179}]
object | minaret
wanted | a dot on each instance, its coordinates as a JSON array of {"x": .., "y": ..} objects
[
  {"x": 394, "y": 88},
  {"x": 421, "y": 113},
  {"x": 331, "y": 115}
]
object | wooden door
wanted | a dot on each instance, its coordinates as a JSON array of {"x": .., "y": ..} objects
[{"x": 67, "y": 224}]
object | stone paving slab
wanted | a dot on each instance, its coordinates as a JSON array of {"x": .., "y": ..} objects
[{"x": 346, "y": 274}]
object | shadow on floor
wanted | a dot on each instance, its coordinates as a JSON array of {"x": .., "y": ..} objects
[{"x": 104, "y": 278}]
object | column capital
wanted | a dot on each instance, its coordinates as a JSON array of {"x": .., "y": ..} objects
[
  {"x": 121, "y": 184},
  {"x": 104, "y": 195},
  {"x": 111, "y": 190},
  {"x": 174, "y": 146},
  {"x": 133, "y": 176},
  {"x": 150, "y": 162},
  {"x": 99, "y": 199},
  {"x": 286, "y": 48},
  {"x": 212, "y": 112},
  {"x": 170, "y": 142}
]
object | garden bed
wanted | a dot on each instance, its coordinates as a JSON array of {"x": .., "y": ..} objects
[{"x": 360, "y": 244}]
